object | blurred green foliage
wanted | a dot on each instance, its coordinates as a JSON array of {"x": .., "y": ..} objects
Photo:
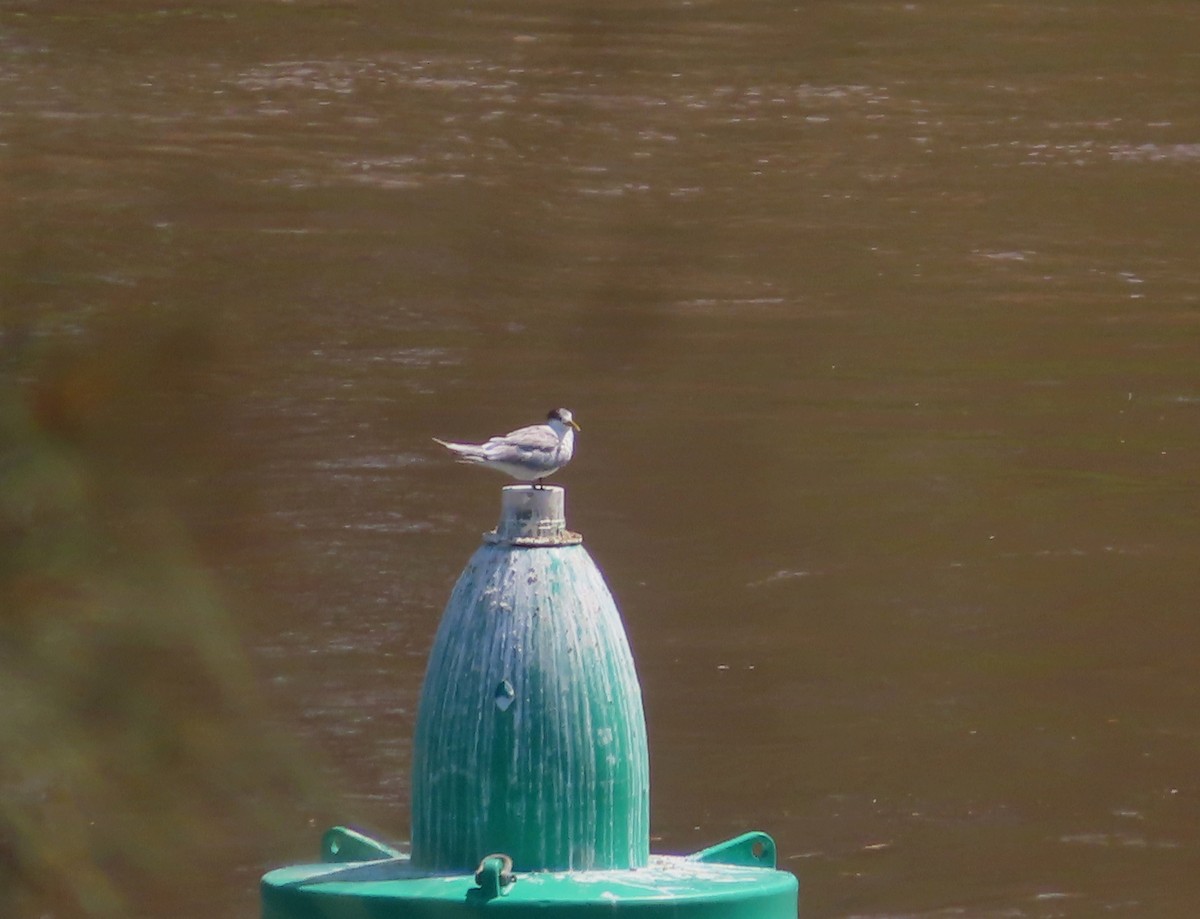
[{"x": 132, "y": 750}]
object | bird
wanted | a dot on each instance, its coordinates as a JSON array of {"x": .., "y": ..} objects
[{"x": 528, "y": 454}]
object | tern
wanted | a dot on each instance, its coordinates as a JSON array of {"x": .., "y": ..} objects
[{"x": 527, "y": 454}]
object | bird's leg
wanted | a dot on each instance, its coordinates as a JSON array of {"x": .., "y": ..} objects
[{"x": 537, "y": 483}]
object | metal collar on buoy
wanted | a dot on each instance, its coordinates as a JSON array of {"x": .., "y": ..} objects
[{"x": 532, "y": 516}]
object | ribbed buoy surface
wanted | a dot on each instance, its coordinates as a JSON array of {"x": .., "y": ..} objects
[{"x": 531, "y": 739}]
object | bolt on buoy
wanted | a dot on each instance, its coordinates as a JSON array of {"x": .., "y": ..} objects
[{"x": 530, "y": 786}]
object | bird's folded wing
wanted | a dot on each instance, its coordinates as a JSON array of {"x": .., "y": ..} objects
[{"x": 524, "y": 442}]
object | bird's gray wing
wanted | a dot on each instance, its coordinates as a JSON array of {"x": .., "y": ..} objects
[{"x": 535, "y": 442}]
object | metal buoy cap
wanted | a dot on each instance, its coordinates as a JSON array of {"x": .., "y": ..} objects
[{"x": 533, "y": 516}]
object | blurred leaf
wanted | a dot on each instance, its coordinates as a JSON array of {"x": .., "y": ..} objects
[{"x": 133, "y": 746}]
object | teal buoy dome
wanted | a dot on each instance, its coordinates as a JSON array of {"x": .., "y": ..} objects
[
  {"x": 530, "y": 736},
  {"x": 530, "y": 767}
]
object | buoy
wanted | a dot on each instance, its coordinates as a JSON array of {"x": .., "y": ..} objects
[
  {"x": 530, "y": 767},
  {"x": 530, "y": 733}
]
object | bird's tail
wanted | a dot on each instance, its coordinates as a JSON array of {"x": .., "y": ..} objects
[{"x": 467, "y": 453}]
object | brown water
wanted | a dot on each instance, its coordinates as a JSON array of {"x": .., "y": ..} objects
[{"x": 882, "y": 321}]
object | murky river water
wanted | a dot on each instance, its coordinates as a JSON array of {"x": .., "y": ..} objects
[{"x": 882, "y": 321}]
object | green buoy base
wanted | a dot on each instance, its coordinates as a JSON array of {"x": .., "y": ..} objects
[{"x": 735, "y": 880}]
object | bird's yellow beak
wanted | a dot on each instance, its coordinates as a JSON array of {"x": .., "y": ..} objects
[{"x": 573, "y": 424}]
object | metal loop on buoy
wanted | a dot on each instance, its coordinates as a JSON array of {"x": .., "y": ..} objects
[{"x": 494, "y": 875}]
